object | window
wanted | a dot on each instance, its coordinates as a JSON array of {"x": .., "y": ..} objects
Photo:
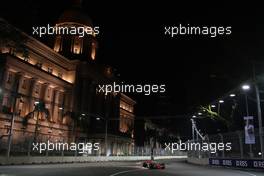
[
  {"x": 61, "y": 98},
  {"x": 50, "y": 70},
  {"x": 93, "y": 53},
  {"x": 20, "y": 106},
  {"x": 26, "y": 59},
  {"x": 47, "y": 114},
  {"x": 131, "y": 109},
  {"x": 48, "y": 93},
  {"x": 24, "y": 84},
  {"x": 39, "y": 65},
  {"x": 58, "y": 44},
  {"x": 37, "y": 89},
  {"x": 6, "y": 100},
  {"x": 6, "y": 104},
  {"x": 9, "y": 78},
  {"x": 108, "y": 71},
  {"x": 59, "y": 74},
  {"x": 124, "y": 123},
  {"x": 77, "y": 44}
]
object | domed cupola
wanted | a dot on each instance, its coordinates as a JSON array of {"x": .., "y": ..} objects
[{"x": 76, "y": 36}]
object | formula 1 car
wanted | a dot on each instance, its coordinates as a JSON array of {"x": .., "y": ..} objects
[{"x": 153, "y": 164}]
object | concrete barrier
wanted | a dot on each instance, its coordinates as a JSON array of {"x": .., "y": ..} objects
[
  {"x": 170, "y": 157},
  {"x": 198, "y": 161},
  {"x": 72, "y": 159}
]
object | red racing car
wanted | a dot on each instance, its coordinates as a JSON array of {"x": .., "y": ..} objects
[{"x": 153, "y": 164}]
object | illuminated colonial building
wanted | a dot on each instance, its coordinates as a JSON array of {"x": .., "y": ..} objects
[
  {"x": 75, "y": 47},
  {"x": 64, "y": 79}
]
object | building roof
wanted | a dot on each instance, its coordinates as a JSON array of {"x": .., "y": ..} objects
[{"x": 75, "y": 15}]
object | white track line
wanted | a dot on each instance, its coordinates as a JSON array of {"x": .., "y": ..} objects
[
  {"x": 127, "y": 171},
  {"x": 248, "y": 173}
]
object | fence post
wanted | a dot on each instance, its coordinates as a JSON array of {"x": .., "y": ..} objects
[
  {"x": 47, "y": 149},
  {"x": 62, "y": 151},
  {"x": 222, "y": 140},
  {"x": 208, "y": 142},
  {"x": 240, "y": 144},
  {"x": 29, "y": 146}
]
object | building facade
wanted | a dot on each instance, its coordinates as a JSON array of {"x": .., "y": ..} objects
[{"x": 64, "y": 80}]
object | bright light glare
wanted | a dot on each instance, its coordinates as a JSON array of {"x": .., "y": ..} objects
[
  {"x": 246, "y": 87},
  {"x": 212, "y": 106},
  {"x": 221, "y": 101},
  {"x": 232, "y": 95},
  {"x": 199, "y": 113}
]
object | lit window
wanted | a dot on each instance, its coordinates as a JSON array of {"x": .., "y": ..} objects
[
  {"x": 9, "y": 78},
  {"x": 24, "y": 84},
  {"x": 20, "y": 106},
  {"x": 93, "y": 53},
  {"x": 37, "y": 89},
  {"x": 26, "y": 59},
  {"x": 108, "y": 70},
  {"x": 77, "y": 44},
  {"x": 39, "y": 65},
  {"x": 50, "y": 70},
  {"x": 6, "y": 100},
  {"x": 48, "y": 93},
  {"x": 6, "y": 104},
  {"x": 58, "y": 44},
  {"x": 60, "y": 75}
]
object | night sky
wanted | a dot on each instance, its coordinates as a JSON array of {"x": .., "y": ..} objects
[{"x": 195, "y": 69}]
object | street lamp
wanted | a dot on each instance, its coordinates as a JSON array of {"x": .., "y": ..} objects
[
  {"x": 232, "y": 95},
  {"x": 221, "y": 101},
  {"x": 12, "y": 122},
  {"x": 219, "y": 106},
  {"x": 106, "y": 131},
  {"x": 212, "y": 106},
  {"x": 98, "y": 117},
  {"x": 245, "y": 87},
  {"x": 259, "y": 120}
]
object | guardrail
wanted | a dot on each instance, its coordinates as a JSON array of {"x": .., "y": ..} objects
[{"x": 70, "y": 159}]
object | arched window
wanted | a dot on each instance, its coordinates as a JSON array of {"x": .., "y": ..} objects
[
  {"x": 93, "y": 52},
  {"x": 58, "y": 44},
  {"x": 77, "y": 45},
  {"x": 20, "y": 106}
]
